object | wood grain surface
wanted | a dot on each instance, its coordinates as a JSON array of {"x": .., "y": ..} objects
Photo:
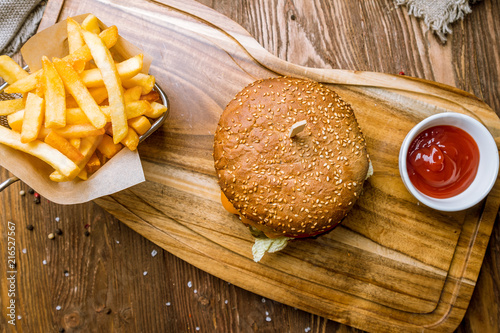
[{"x": 106, "y": 285}]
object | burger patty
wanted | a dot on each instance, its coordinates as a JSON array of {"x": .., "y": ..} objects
[{"x": 296, "y": 186}]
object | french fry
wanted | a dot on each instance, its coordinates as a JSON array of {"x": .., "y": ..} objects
[
  {"x": 64, "y": 146},
  {"x": 152, "y": 96},
  {"x": 55, "y": 96},
  {"x": 75, "y": 142},
  {"x": 91, "y": 23},
  {"x": 10, "y": 71},
  {"x": 80, "y": 93},
  {"x": 93, "y": 164},
  {"x": 79, "y": 131},
  {"x": 140, "y": 124},
  {"x": 43, "y": 133},
  {"x": 107, "y": 147},
  {"x": 75, "y": 116},
  {"x": 15, "y": 120},
  {"x": 126, "y": 70},
  {"x": 147, "y": 82},
  {"x": 41, "y": 150},
  {"x": 79, "y": 57},
  {"x": 132, "y": 109},
  {"x": 109, "y": 37},
  {"x": 112, "y": 82},
  {"x": 132, "y": 94},
  {"x": 10, "y": 106},
  {"x": 131, "y": 141},
  {"x": 99, "y": 94},
  {"x": 83, "y": 175},
  {"x": 24, "y": 85},
  {"x": 32, "y": 119},
  {"x": 156, "y": 110},
  {"x": 87, "y": 148},
  {"x": 75, "y": 40}
]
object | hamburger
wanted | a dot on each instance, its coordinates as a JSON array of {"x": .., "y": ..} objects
[{"x": 290, "y": 160}]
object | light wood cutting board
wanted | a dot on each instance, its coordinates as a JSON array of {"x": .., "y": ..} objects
[{"x": 393, "y": 265}]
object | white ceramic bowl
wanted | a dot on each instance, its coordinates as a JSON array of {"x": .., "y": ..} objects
[{"x": 488, "y": 162}]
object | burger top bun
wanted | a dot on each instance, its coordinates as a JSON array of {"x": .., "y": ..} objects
[{"x": 297, "y": 186}]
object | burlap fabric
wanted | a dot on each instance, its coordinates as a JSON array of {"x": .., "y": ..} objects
[
  {"x": 19, "y": 20},
  {"x": 438, "y": 15}
]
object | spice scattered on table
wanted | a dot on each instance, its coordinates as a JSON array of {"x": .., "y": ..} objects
[
  {"x": 24, "y": 250},
  {"x": 308, "y": 329},
  {"x": 30, "y": 227},
  {"x": 51, "y": 236},
  {"x": 66, "y": 273},
  {"x": 44, "y": 262},
  {"x": 31, "y": 191},
  {"x": 59, "y": 232},
  {"x": 263, "y": 300},
  {"x": 22, "y": 193},
  {"x": 58, "y": 307},
  {"x": 401, "y": 73},
  {"x": 87, "y": 233},
  {"x": 190, "y": 284},
  {"x": 57, "y": 219},
  {"x": 145, "y": 273},
  {"x": 168, "y": 304},
  {"x": 154, "y": 253}
]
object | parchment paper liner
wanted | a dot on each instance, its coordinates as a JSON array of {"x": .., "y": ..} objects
[{"x": 122, "y": 171}]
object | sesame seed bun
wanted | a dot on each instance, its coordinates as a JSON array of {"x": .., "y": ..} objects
[{"x": 298, "y": 186}]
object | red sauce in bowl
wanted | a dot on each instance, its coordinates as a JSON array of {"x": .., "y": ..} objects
[{"x": 442, "y": 161}]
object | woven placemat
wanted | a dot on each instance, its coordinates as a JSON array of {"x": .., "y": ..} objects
[{"x": 438, "y": 15}]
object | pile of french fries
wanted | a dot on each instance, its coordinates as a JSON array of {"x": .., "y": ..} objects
[{"x": 79, "y": 111}]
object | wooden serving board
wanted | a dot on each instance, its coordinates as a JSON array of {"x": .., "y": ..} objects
[{"x": 394, "y": 265}]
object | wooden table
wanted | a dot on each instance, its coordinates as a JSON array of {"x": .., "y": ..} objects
[{"x": 99, "y": 275}]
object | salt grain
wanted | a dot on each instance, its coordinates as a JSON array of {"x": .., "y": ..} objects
[
  {"x": 268, "y": 318},
  {"x": 117, "y": 242},
  {"x": 167, "y": 304},
  {"x": 190, "y": 284},
  {"x": 145, "y": 273},
  {"x": 307, "y": 329},
  {"x": 263, "y": 300},
  {"x": 57, "y": 219},
  {"x": 58, "y": 307},
  {"x": 225, "y": 302},
  {"x": 195, "y": 291},
  {"x": 197, "y": 328},
  {"x": 24, "y": 250},
  {"x": 44, "y": 262},
  {"x": 19, "y": 317},
  {"x": 154, "y": 253}
]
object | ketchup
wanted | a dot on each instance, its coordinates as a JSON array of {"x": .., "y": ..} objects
[{"x": 442, "y": 161}]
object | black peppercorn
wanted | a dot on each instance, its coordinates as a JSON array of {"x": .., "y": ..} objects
[
  {"x": 87, "y": 233},
  {"x": 30, "y": 227},
  {"x": 59, "y": 231}
]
